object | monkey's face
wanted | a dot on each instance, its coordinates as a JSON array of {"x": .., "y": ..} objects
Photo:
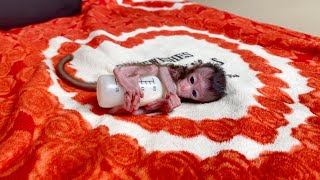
[{"x": 194, "y": 85}]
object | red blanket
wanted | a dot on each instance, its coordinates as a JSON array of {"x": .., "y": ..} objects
[{"x": 266, "y": 127}]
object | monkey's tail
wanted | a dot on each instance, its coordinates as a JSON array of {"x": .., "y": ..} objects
[{"x": 71, "y": 80}]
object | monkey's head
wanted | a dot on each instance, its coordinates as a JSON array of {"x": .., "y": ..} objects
[{"x": 204, "y": 83}]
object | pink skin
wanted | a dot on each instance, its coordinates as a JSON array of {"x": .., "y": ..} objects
[
  {"x": 128, "y": 77},
  {"x": 166, "y": 104},
  {"x": 192, "y": 87},
  {"x": 171, "y": 99}
]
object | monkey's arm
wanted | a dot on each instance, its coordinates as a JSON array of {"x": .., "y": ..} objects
[
  {"x": 171, "y": 99},
  {"x": 167, "y": 80},
  {"x": 128, "y": 77}
]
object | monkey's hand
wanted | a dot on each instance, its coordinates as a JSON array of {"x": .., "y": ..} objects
[
  {"x": 166, "y": 105},
  {"x": 172, "y": 101},
  {"x": 154, "y": 105},
  {"x": 133, "y": 92}
]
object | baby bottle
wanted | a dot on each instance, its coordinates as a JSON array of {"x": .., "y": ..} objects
[{"x": 111, "y": 94}]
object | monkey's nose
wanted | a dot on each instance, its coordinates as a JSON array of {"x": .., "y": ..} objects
[{"x": 185, "y": 87}]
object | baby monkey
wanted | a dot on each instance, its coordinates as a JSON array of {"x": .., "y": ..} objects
[{"x": 200, "y": 84}]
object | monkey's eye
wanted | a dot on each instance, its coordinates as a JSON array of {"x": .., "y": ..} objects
[
  {"x": 192, "y": 80},
  {"x": 194, "y": 93}
]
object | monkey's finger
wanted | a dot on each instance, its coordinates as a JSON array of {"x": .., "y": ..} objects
[
  {"x": 141, "y": 93},
  {"x": 168, "y": 106},
  {"x": 150, "y": 106},
  {"x": 131, "y": 105},
  {"x": 165, "y": 109},
  {"x": 137, "y": 107},
  {"x": 127, "y": 102},
  {"x": 154, "y": 105},
  {"x": 174, "y": 101},
  {"x": 135, "y": 102},
  {"x": 168, "y": 109}
]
